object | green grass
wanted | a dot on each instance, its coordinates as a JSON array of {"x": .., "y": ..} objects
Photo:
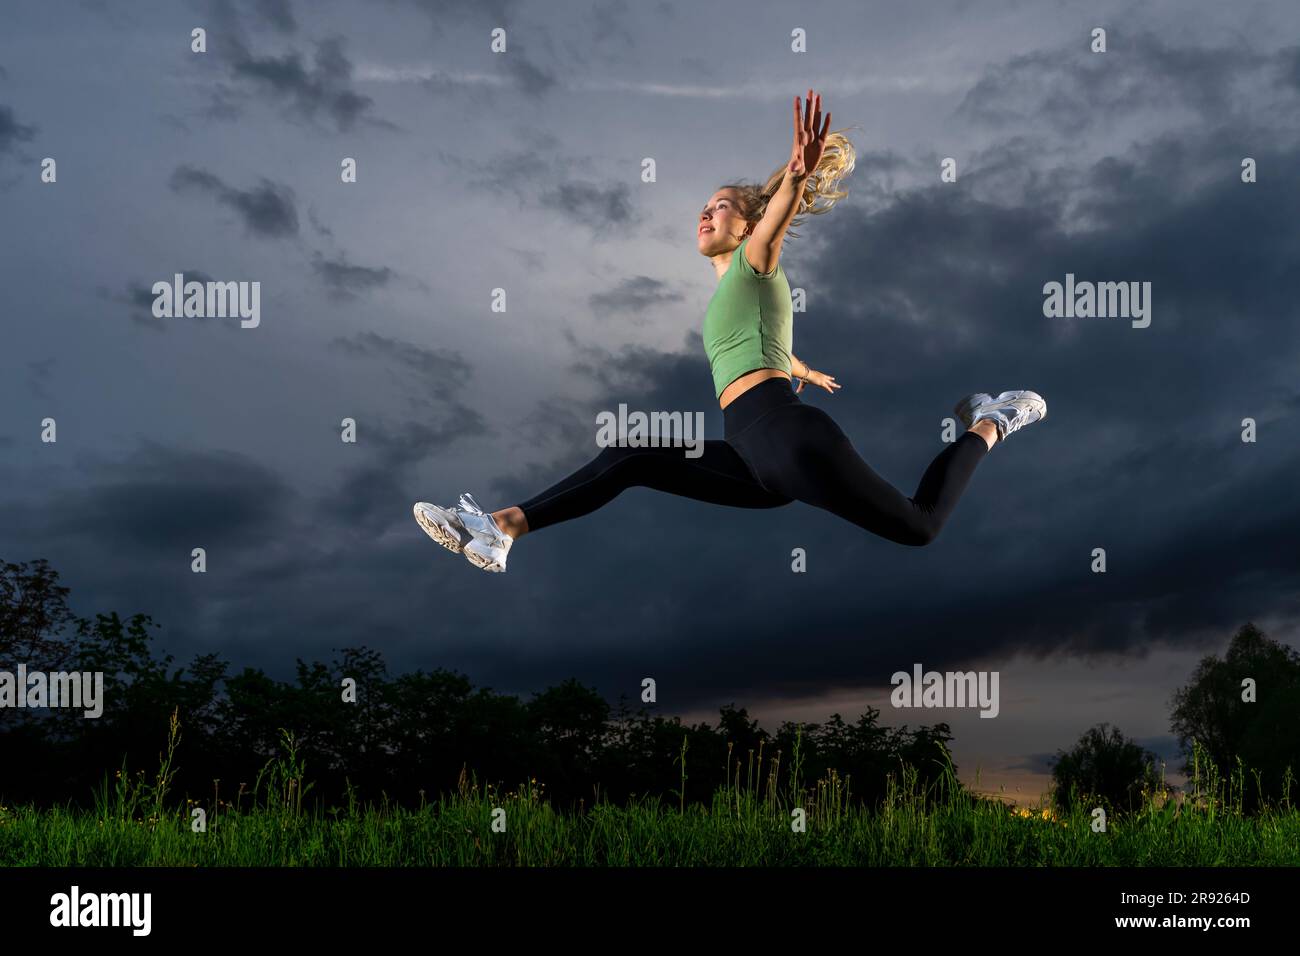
[{"x": 133, "y": 824}]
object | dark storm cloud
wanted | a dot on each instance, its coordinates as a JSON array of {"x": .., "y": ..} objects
[
  {"x": 533, "y": 177},
  {"x": 528, "y": 76},
  {"x": 994, "y": 260},
  {"x": 324, "y": 87},
  {"x": 376, "y": 494},
  {"x": 443, "y": 13},
  {"x": 608, "y": 23},
  {"x": 161, "y": 499},
  {"x": 442, "y": 371},
  {"x": 873, "y": 181},
  {"x": 267, "y": 210},
  {"x": 116, "y": 14},
  {"x": 139, "y": 298},
  {"x": 174, "y": 122},
  {"x": 507, "y": 170},
  {"x": 320, "y": 227},
  {"x": 346, "y": 281},
  {"x": 654, "y": 375},
  {"x": 39, "y": 374},
  {"x": 522, "y": 172},
  {"x": 123, "y": 541},
  {"x": 635, "y": 296},
  {"x": 13, "y": 132},
  {"x": 1288, "y": 67},
  {"x": 556, "y": 420},
  {"x": 278, "y": 13},
  {"x": 530, "y": 79},
  {"x": 1072, "y": 88},
  {"x": 587, "y": 204},
  {"x": 224, "y": 103},
  {"x": 377, "y": 491}
]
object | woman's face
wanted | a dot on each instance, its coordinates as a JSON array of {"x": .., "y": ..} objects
[{"x": 721, "y": 226}]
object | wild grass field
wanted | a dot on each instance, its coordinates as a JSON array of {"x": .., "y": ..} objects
[{"x": 749, "y": 822}]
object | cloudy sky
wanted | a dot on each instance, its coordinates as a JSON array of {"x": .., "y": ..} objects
[{"x": 522, "y": 171}]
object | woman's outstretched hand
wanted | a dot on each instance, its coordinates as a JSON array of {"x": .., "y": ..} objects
[
  {"x": 818, "y": 378},
  {"x": 809, "y": 136}
]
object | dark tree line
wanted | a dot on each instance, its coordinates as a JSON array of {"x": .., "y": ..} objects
[
  {"x": 420, "y": 732},
  {"x": 404, "y": 734}
]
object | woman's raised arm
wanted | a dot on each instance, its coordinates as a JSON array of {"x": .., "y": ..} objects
[{"x": 764, "y": 248}]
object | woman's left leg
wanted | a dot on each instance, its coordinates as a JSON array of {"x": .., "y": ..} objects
[{"x": 717, "y": 475}]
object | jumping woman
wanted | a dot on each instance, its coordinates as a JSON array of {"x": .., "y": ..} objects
[{"x": 776, "y": 449}]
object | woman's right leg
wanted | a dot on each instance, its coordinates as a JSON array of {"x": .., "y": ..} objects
[
  {"x": 718, "y": 476},
  {"x": 799, "y": 450}
]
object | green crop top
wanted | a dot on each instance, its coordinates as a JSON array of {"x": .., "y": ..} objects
[{"x": 748, "y": 322}]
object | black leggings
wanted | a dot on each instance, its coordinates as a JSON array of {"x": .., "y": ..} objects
[{"x": 777, "y": 450}]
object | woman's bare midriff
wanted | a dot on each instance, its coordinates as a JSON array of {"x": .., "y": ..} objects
[{"x": 747, "y": 381}]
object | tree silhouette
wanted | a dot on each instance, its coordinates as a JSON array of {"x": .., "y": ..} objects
[
  {"x": 1262, "y": 734},
  {"x": 33, "y": 615},
  {"x": 1104, "y": 768},
  {"x": 569, "y": 723}
]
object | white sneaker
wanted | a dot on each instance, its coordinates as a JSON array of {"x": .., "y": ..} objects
[
  {"x": 442, "y": 525},
  {"x": 966, "y": 407},
  {"x": 488, "y": 545},
  {"x": 1010, "y": 411}
]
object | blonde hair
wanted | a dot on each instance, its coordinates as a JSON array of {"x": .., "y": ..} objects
[{"x": 822, "y": 184}]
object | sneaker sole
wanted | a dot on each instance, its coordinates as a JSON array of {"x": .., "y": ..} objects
[
  {"x": 445, "y": 536},
  {"x": 485, "y": 563}
]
